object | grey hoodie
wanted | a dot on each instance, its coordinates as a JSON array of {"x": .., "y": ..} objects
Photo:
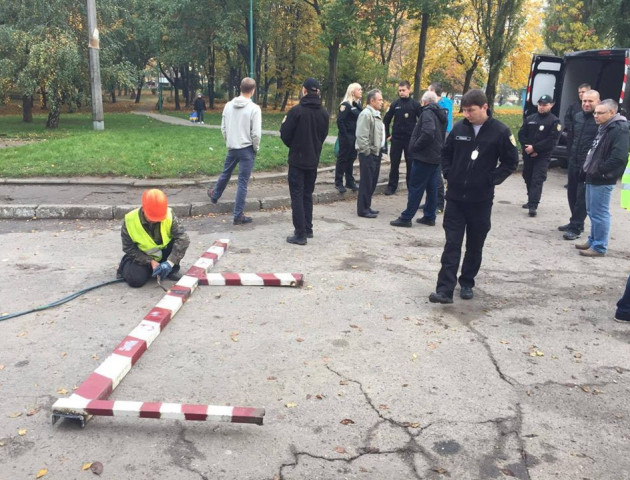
[{"x": 241, "y": 124}]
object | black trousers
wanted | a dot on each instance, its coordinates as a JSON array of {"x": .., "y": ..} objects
[
  {"x": 534, "y": 174},
  {"x": 576, "y": 194},
  {"x": 301, "y": 186},
  {"x": 369, "y": 168},
  {"x": 472, "y": 219},
  {"x": 344, "y": 167},
  {"x": 137, "y": 275},
  {"x": 396, "y": 149}
]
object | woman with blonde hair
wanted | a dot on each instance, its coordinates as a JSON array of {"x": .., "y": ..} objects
[{"x": 347, "y": 123}]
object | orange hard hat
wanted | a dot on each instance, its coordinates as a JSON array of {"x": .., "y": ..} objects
[{"x": 154, "y": 205}]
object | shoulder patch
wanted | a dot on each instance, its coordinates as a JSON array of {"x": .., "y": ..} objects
[
  {"x": 284, "y": 119},
  {"x": 512, "y": 140},
  {"x": 342, "y": 108},
  {"x": 559, "y": 127}
]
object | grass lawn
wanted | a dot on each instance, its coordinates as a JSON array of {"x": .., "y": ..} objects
[{"x": 131, "y": 145}]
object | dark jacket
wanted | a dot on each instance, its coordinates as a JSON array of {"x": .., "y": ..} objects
[
  {"x": 542, "y": 133},
  {"x": 304, "y": 130},
  {"x": 473, "y": 179},
  {"x": 573, "y": 109},
  {"x": 581, "y": 138},
  {"x": 427, "y": 139},
  {"x": 347, "y": 125},
  {"x": 179, "y": 237},
  {"x": 404, "y": 112},
  {"x": 200, "y": 104},
  {"x": 607, "y": 159}
]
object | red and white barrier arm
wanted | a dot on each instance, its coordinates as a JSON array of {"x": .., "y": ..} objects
[{"x": 256, "y": 279}]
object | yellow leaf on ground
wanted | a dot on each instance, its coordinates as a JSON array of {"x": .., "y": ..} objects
[
  {"x": 414, "y": 357},
  {"x": 62, "y": 391},
  {"x": 86, "y": 466},
  {"x": 15, "y": 415},
  {"x": 291, "y": 405},
  {"x": 585, "y": 388},
  {"x": 41, "y": 473},
  {"x": 22, "y": 432},
  {"x": 22, "y": 334},
  {"x": 1, "y": 367}
]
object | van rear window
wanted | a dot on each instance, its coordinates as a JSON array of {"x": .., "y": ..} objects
[{"x": 549, "y": 66}]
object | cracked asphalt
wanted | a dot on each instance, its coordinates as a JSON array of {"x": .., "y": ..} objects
[{"x": 361, "y": 377}]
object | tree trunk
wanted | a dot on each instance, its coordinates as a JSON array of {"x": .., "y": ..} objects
[
  {"x": 44, "y": 98},
  {"x": 266, "y": 82},
  {"x": 139, "y": 89},
  {"x": 113, "y": 94},
  {"x": 491, "y": 87},
  {"x": 27, "y": 108},
  {"x": 210, "y": 75},
  {"x": 185, "y": 85},
  {"x": 333, "y": 61},
  {"x": 422, "y": 46},
  {"x": 284, "y": 101},
  {"x": 53, "y": 114}
]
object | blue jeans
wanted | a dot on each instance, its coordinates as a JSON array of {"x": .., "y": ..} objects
[
  {"x": 423, "y": 177},
  {"x": 244, "y": 158},
  {"x": 598, "y": 210}
]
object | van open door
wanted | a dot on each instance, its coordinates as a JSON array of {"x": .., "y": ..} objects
[{"x": 545, "y": 78}]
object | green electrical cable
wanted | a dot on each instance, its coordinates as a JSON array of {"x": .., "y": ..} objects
[{"x": 60, "y": 301}]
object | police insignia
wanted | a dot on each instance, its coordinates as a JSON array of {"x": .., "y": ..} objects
[
  {"x": 406, "y": 115},
  {"x": 541, "y": 128},
  {"x": 513, "y": 140},
  {"x": 284, "y": 119},
  {"x": 342, "y": 108},
  {"x": 559, "y": 127}
]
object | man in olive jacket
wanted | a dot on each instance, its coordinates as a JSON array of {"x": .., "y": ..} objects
[{"x": 304, "y": 130}]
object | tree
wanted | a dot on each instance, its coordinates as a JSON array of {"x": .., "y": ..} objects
[
  {"x": 499, "y": 22},
  {"x": 569, "y": 27}
]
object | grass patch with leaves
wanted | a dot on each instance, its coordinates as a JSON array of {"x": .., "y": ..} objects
[{"x": 131, "y": 145}]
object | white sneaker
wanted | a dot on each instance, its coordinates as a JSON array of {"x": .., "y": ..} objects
[{"x": 202, "y": 123}]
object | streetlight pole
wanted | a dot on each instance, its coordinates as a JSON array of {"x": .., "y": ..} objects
[
  {"x": 95, "y": 70},
  {"x": 251, "y": 38}
]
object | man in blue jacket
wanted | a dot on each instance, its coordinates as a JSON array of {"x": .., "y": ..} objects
[
  {"x": 479, "y": 153},
  {"x": 304, "y": 130}
]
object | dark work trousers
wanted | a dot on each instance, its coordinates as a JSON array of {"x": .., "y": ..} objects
[
  {"x": 344, "y": 167},
  {"x": 369, "y": 168},
  {"x": 472, "y": 219},
  {"x": 576, "y": 194},
  {"x": 137, "y": 275},
  {"x": 423, "y": 177},
  {"x": 301, "y": 186},
  {"x": 440, "y": 189},
  {"x": 623, "y": 305},
  {"x": 534, "y": 174},
  {"x": 396, "y": 149}
]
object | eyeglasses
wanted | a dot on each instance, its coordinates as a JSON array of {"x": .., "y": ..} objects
[{"x": 600, "y": 113}]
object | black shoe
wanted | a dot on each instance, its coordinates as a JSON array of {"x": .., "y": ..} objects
[
  {"x": 175, "y": 276},
  {"x": 439, "y": 297},
  {"x": 296, "y": 240},
  {"x": 571, "y": 235},
  {"x": 466, "y": 293},
  {"x": 399, "y": 222},
  {"x": 565, "y": 228},
  {"x": 525, "y": 205},
  {"x": 369, "y": 215},
  {"x": 390, "y": 191},
  {"x": 242, "y": 220},
  {"x": 340, "y": 188},
  {"x": 375, "y": 212},
  {"x": 211, "y": 195},
  {"x": 532, "y": 212},
  {"x": 426, "y": 221},
  {"x": 622, "y": 318},
  {"x": 309, "y": 234},
  {"x": 354, "y": 187}
]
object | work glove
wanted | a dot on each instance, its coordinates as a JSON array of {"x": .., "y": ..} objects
[{"x": 163, "y": 269}]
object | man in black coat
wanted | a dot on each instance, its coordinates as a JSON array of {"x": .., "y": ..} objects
[
  {"x": 579, "y": 142},
  {"x": 480, "y": 152},
  {"x": 200, "y": 106},
  {"x": 425, "y": 148},
  {"x": 538, "y": 135},
  {"x": 304, "y": 130},
  {"x": 404, "y": 112}
]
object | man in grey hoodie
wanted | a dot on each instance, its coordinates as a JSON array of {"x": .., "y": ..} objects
[{"x": 241, "y": 127}]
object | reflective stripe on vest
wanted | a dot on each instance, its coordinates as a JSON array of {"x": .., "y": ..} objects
[
  {"x": 625, "y": 187},
  {"x": 141, "y": 238}
]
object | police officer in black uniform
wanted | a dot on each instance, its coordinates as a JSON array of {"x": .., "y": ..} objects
[
  {"x": 479, "y": 153},
  {"x": 405, "y": 112},
  {"x": 538, "y": 135}
]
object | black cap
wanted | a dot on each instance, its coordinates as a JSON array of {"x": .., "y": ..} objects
[
  {"x": 545, "y": 99},
  {"x": 311, "y": 85}
]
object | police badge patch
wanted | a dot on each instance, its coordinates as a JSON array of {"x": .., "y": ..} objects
[
  {"x": 559, "y": 127},
  {"x": 513, "y": 140},
  {"x": 541, "y": 128},
  {"x": 342, "y": 108},
  {"x": 284, "y": 119},
  {"x": 406, "y": 115}
]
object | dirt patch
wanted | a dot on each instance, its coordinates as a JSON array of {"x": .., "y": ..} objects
[{"x": 14, "y": 142}]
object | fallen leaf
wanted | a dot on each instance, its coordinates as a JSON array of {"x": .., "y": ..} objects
[
  {"x": 62, "y": 391},
  {"x": 271, "y": 378},
  {"x": 86, "y": 466},
  {"x": 41, "y": 473},
  {"x": 354, "y": 326},
  {"x": 597, "y": 392},
  {"x": 218, "y": 295},
  {"x": 234, "y": 338},
  {"x": 507, "y": 472},
  {"x": 415, "y": 425},
  {"x": 22, "y": 334},
  {"x": 347, "y": 421},
  {"x": 97, "y": 468},
  {"x": 585, "y": 388},
  {"x": 382, "y": 406},
  {"x": 2, "y": 367},
  {"x": 577, "y": 355},
  {"x": 616, "y": 415},
  {"x": 15, "y": 415},
  {"x": 64, "y": 354},
  {"x": 32, "y": 412},
  {"x": 619, "y": 369},
  {"x": 291, "y": 405},
  {"x": 22, "y": 432},
  {"x": 414, "y": 357},
  {"x": 340, "y": 450},
  {"x": 439, "y": 470},
  {"x": 341, "y": 394},
  {"x": 95, "y": 356},
  {"x": 504, "y": 342},
  {"x": 320, "y": 396},
  {"x": 343, "y": 382},
  {"x": 2, "y": 444},
  {"x": 432, "y": 346},
  {"x": 299, "y": 339}
]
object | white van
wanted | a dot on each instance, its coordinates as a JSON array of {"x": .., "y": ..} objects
[{"x": 605, "y": 70}]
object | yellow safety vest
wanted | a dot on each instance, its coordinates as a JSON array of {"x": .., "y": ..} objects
[
  {"x": 141, "y": 238},
  {"x": 625, "y": 187}
]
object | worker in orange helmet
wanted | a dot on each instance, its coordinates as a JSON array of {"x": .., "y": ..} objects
[{"x": 153, "y": 240}]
